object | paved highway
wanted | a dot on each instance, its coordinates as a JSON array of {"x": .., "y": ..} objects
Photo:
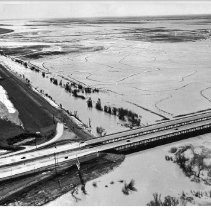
[
  {"x": 59, "y": 132},
  {"x": 153, "y": 128},
  {"x": 18, "y": 164},
  {"x": 141, "y": 134}
]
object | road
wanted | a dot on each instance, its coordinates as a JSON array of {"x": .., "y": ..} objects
[
  {"x": 152, "y": 128},
  {"x": 59, "y": 132},
  {"x": 18, "y": 164},
  {"x": 35, "y": 112}
]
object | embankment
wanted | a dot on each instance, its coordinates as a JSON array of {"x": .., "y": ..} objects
[
  {"x": 36, "y": 114},
  {"x": 39, "y": 189}
]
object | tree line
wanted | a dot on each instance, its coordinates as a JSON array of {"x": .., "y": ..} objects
[
  {"x": 71, "y": 87},
  {"x": 122, "y": 113},
  {"x": 78, "y": 90}
]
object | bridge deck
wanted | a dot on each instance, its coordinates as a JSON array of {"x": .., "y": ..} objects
[
  {"x": 28, "y": 162},
  {"x": 154, "y": 127},
  {"x": 140, "y": 134}
]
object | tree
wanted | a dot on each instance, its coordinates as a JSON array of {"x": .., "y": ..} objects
[
  {"x": 100, "y": 131},
  {"x": 122, "y": 113},
  {"x": 55, "y": 82},
  {"x": 75, "y": 94},
  {"x": 87, "y": 90},
  {"x": 67, "y": 87},
  {"x": 157, "y": 200},
  {"x": 114, "y": 110},
  {"x": 105, "y": 108},
  {"x": 25, "y": 64},
  {"x": 89, "y": 102},
  {"x": 60, "y": 83},
  {"x": 170, "y": 201},
  {"x": 109, "y": 110},
  {"x": 98, "y": 105}
]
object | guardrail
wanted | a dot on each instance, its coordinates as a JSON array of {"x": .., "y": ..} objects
[{"x": 191, "y": 132}]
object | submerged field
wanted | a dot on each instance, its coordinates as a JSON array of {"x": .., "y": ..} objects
[
  {"x": 158, "y": 68},
  {"x": 155, "y": 67}
]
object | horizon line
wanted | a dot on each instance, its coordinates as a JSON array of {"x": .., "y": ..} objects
[{"x": 120, "y": 16}]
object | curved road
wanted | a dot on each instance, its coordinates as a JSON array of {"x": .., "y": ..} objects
[{"x": 59, "y": 132}]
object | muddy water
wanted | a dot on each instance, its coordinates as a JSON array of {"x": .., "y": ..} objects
[
  {"x": 68, "y": 102},
  {"x": 169, "y": 78},
  {"x": 151, "y": 172},
  {"x": 110, "y": 123},
  {"x": 158, "y": 76},
  {"x": 83, "y": 112}
]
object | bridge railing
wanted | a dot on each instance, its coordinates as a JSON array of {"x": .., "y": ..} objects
[
  {"x": 141, "y": 132},
  {"x": 166, "y": 136}
]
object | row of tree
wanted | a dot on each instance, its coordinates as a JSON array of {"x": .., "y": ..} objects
[
  {"x": 72, "y": 85},
  {"x": 55, "y": 82},
  {"x": 123, "y": 114},
  {"x": 25, "y": 64},
  {"x": 79, "y": 87},
  {"x": 75, "y": 88}
]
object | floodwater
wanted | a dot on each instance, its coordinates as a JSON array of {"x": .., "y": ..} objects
[
  {"x": 4, "y": 99},
  {"x": 7, "y": 109},
  {"x": 154, "y": 67},
  {"x": 151, "y": 173}
]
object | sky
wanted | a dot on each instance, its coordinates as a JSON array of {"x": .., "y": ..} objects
[{"x": 65, "y": 9}]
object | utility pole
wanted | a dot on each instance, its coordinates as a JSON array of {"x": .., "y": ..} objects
[
  {"x": 78, "y": 163},
  {"x": 57, "y": 172},
  {"x": 90, "y": 123},
  {"x": 83, "y": 189},
  {"x": 38, "y": 132},
  {"x": 55, "y": 162}
]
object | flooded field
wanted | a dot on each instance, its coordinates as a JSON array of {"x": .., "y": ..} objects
[
  {"x": 156, "y": 67},
  {"x": 138, "y": 63}
]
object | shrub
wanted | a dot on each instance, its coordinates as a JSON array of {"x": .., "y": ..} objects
[
  {"x": 98, "y": 105},
  {"x": 89, "y": 102},
  {"x": 100, "y": 131}
]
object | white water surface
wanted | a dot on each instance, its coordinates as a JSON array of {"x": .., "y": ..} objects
[{"x": 4, "y": 99}]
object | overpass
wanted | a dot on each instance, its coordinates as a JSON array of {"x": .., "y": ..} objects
[{"x": 15, "y": 165}]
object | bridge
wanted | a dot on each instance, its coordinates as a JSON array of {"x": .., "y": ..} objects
[{"x": 15, "y": 165}]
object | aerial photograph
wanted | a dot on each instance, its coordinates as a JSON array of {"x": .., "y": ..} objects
[{"x": 105, "y": 103}]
